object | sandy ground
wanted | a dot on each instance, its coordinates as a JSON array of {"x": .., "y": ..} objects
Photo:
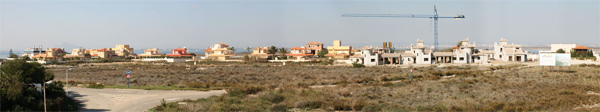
[{"x": 131, "y": 100}]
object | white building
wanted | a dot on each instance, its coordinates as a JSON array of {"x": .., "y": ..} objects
[
  {"x": 418, "y": 54},
  {"x": 509, "y": 52}
]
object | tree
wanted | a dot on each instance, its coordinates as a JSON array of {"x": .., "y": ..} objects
[
  {"x": 283, "y": 51},
  {"x": 232, "y": 49},
  {"x": 272, "y": 50},
  {"x": 459, "y": 44},
  {"x": 322, "y": 53},
  {"x": 248, "y": 49},
  {"x": 12, "y": 55},
  {"x": 16, "y": 78},
  {"x": 560, "y": 51},
  {"x": 193, "y": 54}
]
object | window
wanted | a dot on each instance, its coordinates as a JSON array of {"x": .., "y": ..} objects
[
  {"x": 372, "y": 60},
  {"x": 501, "y": 50},
  {"x": 462, "y": 58},
  {"x": 425, "y": 59}
]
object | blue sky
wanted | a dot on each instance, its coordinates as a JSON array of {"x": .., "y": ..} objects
[{"x": 198, "y": 24}]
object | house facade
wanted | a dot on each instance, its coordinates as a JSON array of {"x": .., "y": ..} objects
[
  {"x": 299, "y": 53},
  {"x": 154, "y": 52},
  {"x": 78, "y": 53},
  {"x": 314, "y": 47},
  {"x": 52, "y": 54},
  {"x": 123, "y": 50},
  {"x": 179, "y": 52},
  {"x": 219, "y": 51},
  {"x": 418, "y": 54},
  {"x": 260, "y": 52},
  {"x": 509, "y": 52},
  {"x": 33, "y": 51},
  {"x": 338, "y": 51}
]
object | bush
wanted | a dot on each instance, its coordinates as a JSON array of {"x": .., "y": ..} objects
[
  {"x": 196, "y": 84},
  {"x": 95, "y": 85},
  {"x": 371, "y": 108},
  {"x": 272, "y": 97},
  {"x": 278, "y": 108},
  {"x": 357, "y": 65},
  {"x": 309, "y": 104}
]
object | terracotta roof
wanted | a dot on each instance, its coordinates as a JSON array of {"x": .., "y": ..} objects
[
  {"x": 180, "y": 49},
  {"x": 456, "y": 47},
  {"x": 581, "y": 47},
  {"x": 224, "y": 45},
  {"x": 297, "y": 48},
  {"x": 208, "y": 50},
  {"x": 105, "y": 49},
  {"x": 313, "y": 42},
  {"x": 299, "y": 54}
]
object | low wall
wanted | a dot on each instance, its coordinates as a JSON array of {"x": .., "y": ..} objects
[{"x": 172, "y": 60}]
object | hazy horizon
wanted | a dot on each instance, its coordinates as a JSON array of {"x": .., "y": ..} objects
[{"x": 199, "y": 24}]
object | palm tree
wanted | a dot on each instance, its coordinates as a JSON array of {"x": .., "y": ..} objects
[
  {"x": 248, "y": 49},
  {"x": 283, "y": 51},
  {"x": 272, "y": 50}
]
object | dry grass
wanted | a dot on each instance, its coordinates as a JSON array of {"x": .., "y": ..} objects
[{"x": 272, "y": 87}]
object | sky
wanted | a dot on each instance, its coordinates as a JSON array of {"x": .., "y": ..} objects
[{"x": 285, "y": 23}]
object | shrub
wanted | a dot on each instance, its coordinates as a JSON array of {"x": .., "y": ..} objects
[
  {"x": 196, "y": 84},
  {"x": 272, "y": 97},
  {"x": 95, "y": 85},
  {"x": 235, "y": 92},
  {"x": 278, "y": 108},
  {"x": 371, "y": 108},
  {"x": 309, "y": 104},
  {"x": 357, "y": 65}
]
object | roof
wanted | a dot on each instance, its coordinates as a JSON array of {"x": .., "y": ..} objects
[
  {"x": 261, "y": 48},
  {"x": 581, "y": 47},
  {"x": 208, "y": 50},
  {"x": 388, "y": 55},
  {"x": 502, "y": 40},
  {"x": 297, "y": 48},
  {"x": 442, "y": 54},
  {"x": 419, "y": 41},
  {"x": 365, "y": 48},
  {"x": 512, "y": 45},
  {"x": 455, "y": 47},
  {"x": 299, "y": 54},
  {"x": 224, "y": 45},
  {"x": 220, "y": 49},
  {"x": 466, "y": 40},
  {"x": 180, "y": 49},
  {"x": 155, "y": 49},
  {"x": 105, "y": 49},
  {"x": 313, "y": 42},
  {"x": 408, "y": 54},
  {"x": 337, "y": 55},
  {"x": 357, "y": 56}
]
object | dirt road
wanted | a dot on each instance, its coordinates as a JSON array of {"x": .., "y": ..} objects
[{"x": 131, "y": 100}]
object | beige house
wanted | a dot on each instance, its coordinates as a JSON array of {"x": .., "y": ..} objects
[
  {"x": 299, "y": 53},
  {"x": 51, "y": 54},
  {"x": 123, "y": 50},
  {"x": 151, "y": 53},
  {"x": 338, "y": 51},
  {"x": 219, "y": 51},
  {"x": 101, "y": 53},
  {"x": 260, "y": 52},
  {"x": 78, "y": 53}
]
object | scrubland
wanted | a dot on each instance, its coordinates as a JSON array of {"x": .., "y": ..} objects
[{"x": 316, "y": 87}]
